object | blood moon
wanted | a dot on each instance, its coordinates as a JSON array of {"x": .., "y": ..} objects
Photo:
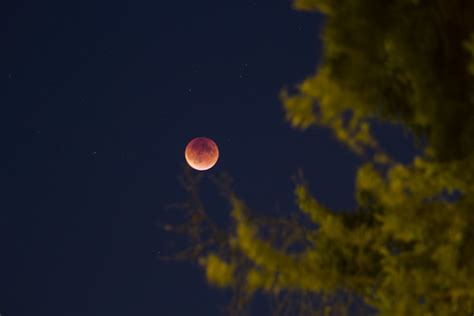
[{"x": 201, "y": 153}]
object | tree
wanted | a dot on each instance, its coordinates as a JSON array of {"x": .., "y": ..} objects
[{"x": 408, "y": 247}]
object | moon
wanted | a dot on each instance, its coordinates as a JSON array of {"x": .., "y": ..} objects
[{"x": 201, "y": 153}]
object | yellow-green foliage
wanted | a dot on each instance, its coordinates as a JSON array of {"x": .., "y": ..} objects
[
  {"x": 218, "y": 272},
  {"x": 470, "y": 47},
  {"x": 408, "y": 248},
  {"x": 334, "y": 103},
  {"x": 426, "y": 237},
  {"x": 403, "y": 61}
]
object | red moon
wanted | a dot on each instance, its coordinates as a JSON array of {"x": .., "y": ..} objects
[{"x": 201, "y": 153}]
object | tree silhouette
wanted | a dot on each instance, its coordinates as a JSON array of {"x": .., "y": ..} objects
[{"x": 408, "y": 247}]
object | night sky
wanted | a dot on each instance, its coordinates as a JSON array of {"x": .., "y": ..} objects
[{"x": 98, "y": 101}]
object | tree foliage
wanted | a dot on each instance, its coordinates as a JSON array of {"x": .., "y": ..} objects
[
  {"x": 408, "y": 247},
  {"x": 400, "y": 60}
]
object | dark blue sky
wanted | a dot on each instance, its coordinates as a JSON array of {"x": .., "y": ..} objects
[{"x": 101, "y": 98}]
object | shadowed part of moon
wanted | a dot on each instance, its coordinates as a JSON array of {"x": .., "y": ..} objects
[{"x": 201, "y": 153}]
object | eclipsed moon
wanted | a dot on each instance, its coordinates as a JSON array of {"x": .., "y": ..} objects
[{"x": 201, "y": 153}]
